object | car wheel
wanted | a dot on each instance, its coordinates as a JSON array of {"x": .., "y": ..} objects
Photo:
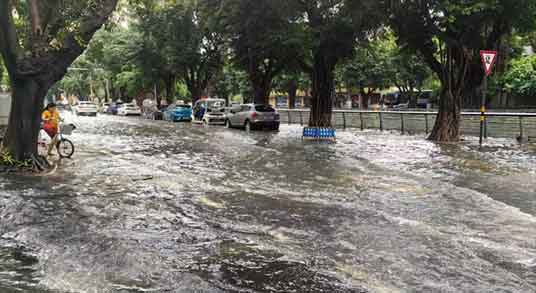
[{"x": 247, "y": 127}]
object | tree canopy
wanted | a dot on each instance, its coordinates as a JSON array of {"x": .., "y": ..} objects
[
  {"x": 449, "y": 34},
  {"x": 521, "y": 78},
  {"x": 333, "y": 29},
  {"x": 263, "y": 40}
]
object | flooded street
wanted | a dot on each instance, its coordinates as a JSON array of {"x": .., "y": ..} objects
[{"x": 150, "y": 206}]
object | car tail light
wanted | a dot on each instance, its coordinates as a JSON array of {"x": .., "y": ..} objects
[{"x": 254, "y": 115}]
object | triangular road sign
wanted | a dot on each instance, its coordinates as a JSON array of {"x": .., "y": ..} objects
[{"x": 488, "y": 60}]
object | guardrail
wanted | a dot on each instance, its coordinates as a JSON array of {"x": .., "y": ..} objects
[{"x": 498, "y": 124}]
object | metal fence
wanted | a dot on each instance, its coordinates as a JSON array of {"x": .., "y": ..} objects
[{"x": 500, "y": 125}]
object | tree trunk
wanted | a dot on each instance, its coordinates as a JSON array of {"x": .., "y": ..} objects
[
  {"x": 157, "y": 96},
  {"x": 197, "y": 94},
  {"x": 447, "y": 125},
  {"x": 25, "y": 118},
  {"x": 323, "y": 79},
  {"x": 170, "y": 87},
  {"x": 292, "y": 92},
  {"x": 412, "y": 98},
  {"x": 459, "y": 78},
  {"x": 365, "y": 99},
  {"x": 262, "y": 92}
]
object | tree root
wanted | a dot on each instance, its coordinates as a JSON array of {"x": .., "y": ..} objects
[{"x": 39, "y": 163}]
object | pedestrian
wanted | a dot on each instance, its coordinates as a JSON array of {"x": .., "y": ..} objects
[{"x": 51, "y": 120}]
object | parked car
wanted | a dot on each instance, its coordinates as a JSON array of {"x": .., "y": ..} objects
[
  {"x": 130, "y": 109},
  {"x": 104, "y": 108},
  {"x": 114, "y": 107},
  {"x": 209, "y": 111},
  {"x": 253, "y": 116},
  {"x": 178, "y": 112},
  {"x": 84, "y": 108},
  {"x": 404, "y": 106}
]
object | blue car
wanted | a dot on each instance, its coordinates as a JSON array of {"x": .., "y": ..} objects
[{"x": 177, "y": 113}]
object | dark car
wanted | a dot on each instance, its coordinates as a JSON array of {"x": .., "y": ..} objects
[{"x": 114, "y": 107}]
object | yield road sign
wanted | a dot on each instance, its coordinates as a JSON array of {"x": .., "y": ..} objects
[{"x": 488, "y": 60}]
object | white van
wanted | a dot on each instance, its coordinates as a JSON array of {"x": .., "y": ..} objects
[{"x": 5, "y": 108}]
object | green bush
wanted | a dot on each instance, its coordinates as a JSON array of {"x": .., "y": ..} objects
[{"x": 520, "y": 80}]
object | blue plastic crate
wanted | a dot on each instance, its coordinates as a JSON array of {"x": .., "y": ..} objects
[
  {"x": 310, "y": 132},
  {"x": 319, "y": 133}
]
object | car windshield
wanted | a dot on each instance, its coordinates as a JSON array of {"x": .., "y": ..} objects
[
  {"x": 216, "y": 104},
  {"x": 264, "y": 108}
]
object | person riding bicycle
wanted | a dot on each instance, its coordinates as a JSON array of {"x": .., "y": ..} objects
[{"x": 51, "y": 120}]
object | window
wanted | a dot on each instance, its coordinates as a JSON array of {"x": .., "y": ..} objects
[{"x": 264, "y": 109}]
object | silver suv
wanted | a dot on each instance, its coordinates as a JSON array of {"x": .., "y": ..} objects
[{"x": 252, "y": 116}]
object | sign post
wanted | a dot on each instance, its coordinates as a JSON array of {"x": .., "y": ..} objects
[{"x": 488, "y": 61}]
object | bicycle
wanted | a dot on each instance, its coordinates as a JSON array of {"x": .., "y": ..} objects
[{"x": 65, "y": 147}]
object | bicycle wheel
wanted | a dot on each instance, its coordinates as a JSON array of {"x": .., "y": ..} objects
[{"x": 65, "y": 148}]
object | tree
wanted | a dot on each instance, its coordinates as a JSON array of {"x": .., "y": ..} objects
[
  {"x": 183, "y": 41},
  {"x": 202, "y": 48},
  {"x": 230, "y": 82},
  {"x": 152, "y": 56},
  {"x": 410, "y": 74},
  {"x": 38, "y": 41},
  {"x": 263, "y": 40},
  {"x": 290, "y": 82},
  {"x": 520, "y": 80},
  {"x": 449, "y": 34},
  {"x": 370, "y": 69},
  {"x": 334, "y": 28}
]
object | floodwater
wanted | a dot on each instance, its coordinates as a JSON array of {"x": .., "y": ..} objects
[{"x": 148, "y": 206}]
